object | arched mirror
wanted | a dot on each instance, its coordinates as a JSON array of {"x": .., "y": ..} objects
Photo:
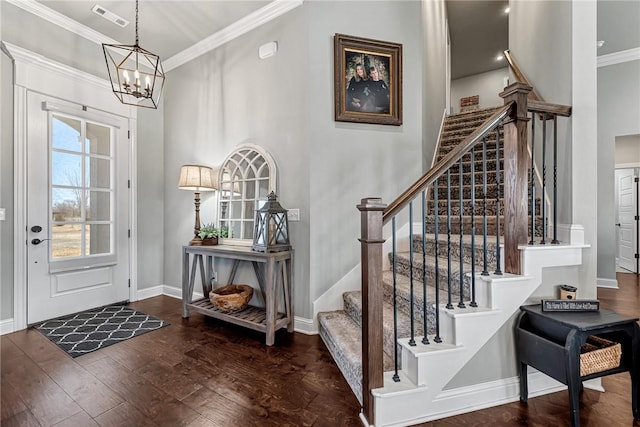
[{"x": 246, "y": 177}]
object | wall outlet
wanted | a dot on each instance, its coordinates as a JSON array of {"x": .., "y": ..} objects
[{"x": 293, "y": 214}]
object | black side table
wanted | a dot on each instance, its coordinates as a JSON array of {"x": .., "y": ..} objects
[{"x": 551, "y": 341}]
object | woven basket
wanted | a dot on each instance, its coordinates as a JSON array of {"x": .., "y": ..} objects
[
  {"x": 599, "y": 354},
  {"x": 231, "y": 297}
]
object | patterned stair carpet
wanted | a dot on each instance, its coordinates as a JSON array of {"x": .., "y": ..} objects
[
  {"x": 97, "y": 328},
  {"x": 341, "y": 329}
]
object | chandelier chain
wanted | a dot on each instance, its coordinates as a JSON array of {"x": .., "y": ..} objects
[{"x": 136, "y": 22}]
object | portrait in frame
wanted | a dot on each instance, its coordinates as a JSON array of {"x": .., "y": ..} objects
[{"x": 367, "y": 80}]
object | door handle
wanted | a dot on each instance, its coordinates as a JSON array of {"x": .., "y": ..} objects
[
  {"x": 36, "y": 229},
  {"x": 618, "y": 225},
  {"x": 38, "y": 241}
]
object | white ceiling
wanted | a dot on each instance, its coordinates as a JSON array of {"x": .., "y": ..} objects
[{"x": 179, "y": 30}]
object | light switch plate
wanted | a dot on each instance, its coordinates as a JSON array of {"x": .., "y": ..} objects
[
  {"x": 293, "y": 215},
  {"x": 3, "y": 215}
]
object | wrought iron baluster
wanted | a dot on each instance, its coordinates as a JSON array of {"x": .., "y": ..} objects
[
  {"x": 436, "y": 262},
  {"x": 555, "y": 240},
  {"x": 498, "y": 270},
  {"x": 544, "y": 181},
  {"x": 449, "y": 304},
  {"x": 532, "y": 178},
  {"x": 425, "y": 340},
  {"x": 412, "y": 340},
  {"x": 460, "y": 233},
  {"x": 485, "y": 265},
  {"x": 473, "y": 302},
  {"x": 394, "y": 251}
]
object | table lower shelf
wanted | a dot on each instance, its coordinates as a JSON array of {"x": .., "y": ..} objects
[{"x": 251, "y": 317}]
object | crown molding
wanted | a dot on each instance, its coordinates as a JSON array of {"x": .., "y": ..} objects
[
  {"x": 619, "y": 57},
  {"x": 261, "y": 16},
  {"x": 63, "y": 21}
]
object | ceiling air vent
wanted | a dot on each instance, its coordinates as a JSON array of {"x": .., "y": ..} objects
[{"x": 110, "y": 16}]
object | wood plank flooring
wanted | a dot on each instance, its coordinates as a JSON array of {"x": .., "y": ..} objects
[{"x": 203, "y": 372}]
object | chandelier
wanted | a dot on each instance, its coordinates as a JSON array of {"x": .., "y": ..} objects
[{"x": 136, "y": 75}]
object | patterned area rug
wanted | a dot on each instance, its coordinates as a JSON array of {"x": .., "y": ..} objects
[{"x": 97, "y": 328}]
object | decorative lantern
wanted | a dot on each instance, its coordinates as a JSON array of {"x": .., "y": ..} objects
[{"x": 271, "y": 233}]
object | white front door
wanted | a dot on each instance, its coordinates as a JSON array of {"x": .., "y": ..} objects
[
  {"x": 77, "y": 208},
  {"x": 627, "y": 235}
]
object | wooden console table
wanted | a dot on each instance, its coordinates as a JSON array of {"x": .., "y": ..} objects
[
  {"x": 271, "y": 269},
  {"x": 551, "y": 341}
]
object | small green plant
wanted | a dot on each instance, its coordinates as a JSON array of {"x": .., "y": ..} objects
[{"x": 209, "y": 230}]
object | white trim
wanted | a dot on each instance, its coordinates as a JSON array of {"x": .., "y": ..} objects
[
  {"x": 175, "y": 292},
  {"x": 435, "y": 153},
  {"x": 6, "y": 326},
  {"x": 627, "y": 165},
  {"x": 471, "y": 398},
  {"x": 607, "y": 283},
  {"x": 63, "y": 21},
  {"x": 151, "y": 292},
  {"x": 619, "y": 57},
  {"x": 261, "y": 16},
  {"x": 304, "y": 325},
  {"x": 19, "y": 207}
]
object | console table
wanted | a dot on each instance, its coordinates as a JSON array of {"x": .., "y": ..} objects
[
  {"x": 271, "y": 269},
  {"x": 551, "y": 341}
]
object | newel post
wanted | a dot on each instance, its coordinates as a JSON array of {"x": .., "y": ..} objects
[
  {"x": 371, "y": 210},
  {"x": 516, "y": 161}
]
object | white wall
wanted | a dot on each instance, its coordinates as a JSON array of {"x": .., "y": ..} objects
[
  {"x": 627, "y": 150},
  {"x": 487, "y": 85},
  {"x": 618, "y": 112}
]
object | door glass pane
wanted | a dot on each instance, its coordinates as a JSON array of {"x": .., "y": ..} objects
[
  {"x": 99, "y": 238},
  {"x": 98, "y": 139},
  {"x": 66, "y": 133},
  {"x": 66, "y": 169},
  {"x": 99, "y": 206},
  {"x": 98, "y": 172},
  {"x": 66, "y": 204},
  {"x": 66, "y": 241}
]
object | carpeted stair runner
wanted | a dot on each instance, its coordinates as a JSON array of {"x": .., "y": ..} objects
[{"x": 341, "y": 329}]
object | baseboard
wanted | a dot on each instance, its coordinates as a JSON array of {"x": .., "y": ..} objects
[
  {"x": 305, "y": 326},
  {"x": 607, "y": 283},
  {"x": 471, "y": 398},
  {"x": 6, "y": 326},
  {"x": 149, "y": 292},
  {"x": 172, "y": 291}
]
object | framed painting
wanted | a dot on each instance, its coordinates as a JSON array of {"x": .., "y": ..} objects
[{"x": 367, "y": 80}]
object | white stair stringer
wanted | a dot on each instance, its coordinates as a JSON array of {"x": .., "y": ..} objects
[{"x": 427, "y": 369}]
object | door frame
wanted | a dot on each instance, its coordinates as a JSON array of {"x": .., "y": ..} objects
[{"x": 37, "y": 73}]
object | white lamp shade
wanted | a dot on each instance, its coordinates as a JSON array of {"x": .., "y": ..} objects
[{"x": 197, "y": 178}]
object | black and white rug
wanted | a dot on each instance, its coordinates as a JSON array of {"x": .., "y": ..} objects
[{"x": 97, "y": 328}]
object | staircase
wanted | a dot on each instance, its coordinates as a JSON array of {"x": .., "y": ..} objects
[{"x": 417, "y": 370}]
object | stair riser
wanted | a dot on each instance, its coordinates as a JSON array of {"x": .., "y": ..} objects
[
  {"x": 466, "y": 207},
  {"x": 454, "y": 192},
  {"x": 466, "y": 226}
]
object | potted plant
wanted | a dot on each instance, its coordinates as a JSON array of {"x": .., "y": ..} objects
[{"x": 210, "y": 233}]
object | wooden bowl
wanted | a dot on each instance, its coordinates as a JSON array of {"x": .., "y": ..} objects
[{"x": 231, "y": 297}]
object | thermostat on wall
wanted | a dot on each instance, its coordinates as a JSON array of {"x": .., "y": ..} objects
[{"x": 267, "y": 50}]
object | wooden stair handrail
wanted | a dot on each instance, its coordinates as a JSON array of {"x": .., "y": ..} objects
[
  {"x": 533, "y": 95},
  {"x": 446, "y": 162},
  {"x": 547, "y": 107}
]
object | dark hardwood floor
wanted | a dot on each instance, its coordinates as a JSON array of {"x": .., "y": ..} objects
[{"x": 202, "y": 372}]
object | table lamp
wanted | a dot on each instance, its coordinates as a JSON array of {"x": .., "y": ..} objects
[{"x": 197, "y": 178}]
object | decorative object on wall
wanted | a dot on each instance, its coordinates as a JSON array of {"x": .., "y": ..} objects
[
  {"x": 271, "y": 233},
  {"x": 367, "y": 80},
  {"x": 136, "y": 75},
  {"x": 470, "y": 103},
  {"x": 197, "y": 178}
]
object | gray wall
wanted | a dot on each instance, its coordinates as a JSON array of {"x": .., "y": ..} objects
[
  {"x": 434, "y": 39},
  {"x": 487, "y": 85},
  {"x": 6, "y": 186},
  {"x": 618, "y": 112},
  {"x": 285, "y": 104}
]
